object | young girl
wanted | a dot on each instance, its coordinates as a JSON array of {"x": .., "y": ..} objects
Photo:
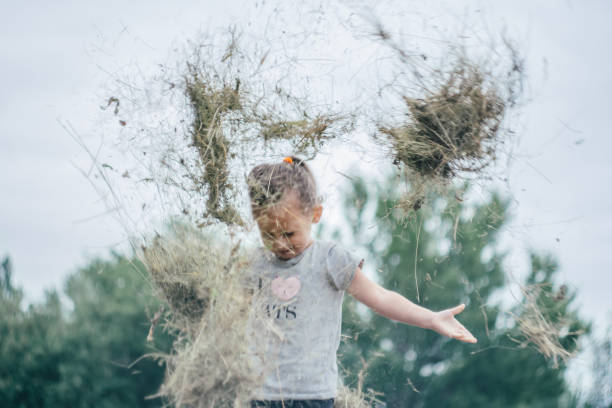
[{"x": 303, "y": 281}]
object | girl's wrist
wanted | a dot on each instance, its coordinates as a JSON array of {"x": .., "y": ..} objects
[
  {"x": 429, "y": 320},
  {"x": 418, "y": 316}
]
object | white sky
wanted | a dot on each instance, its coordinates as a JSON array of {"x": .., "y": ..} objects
[{"x": 53, "y": 58}]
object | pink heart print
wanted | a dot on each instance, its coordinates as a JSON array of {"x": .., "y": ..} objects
[{"x": 285, "y": 289}]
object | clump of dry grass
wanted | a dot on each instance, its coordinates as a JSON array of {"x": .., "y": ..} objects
[
  {"x": 354, "y": 398},
  {"x": 303, "y": 133},
  {"x": 538, "y": 329},
  {"x": 200, "y": 274},
  {"x": 233, "y": 114},
  {"x": 210, "y": 104},
  {"x": 201, "y": 277},
  {"x": 451, "y": 130},
  {"x": 453, "y": 117}
]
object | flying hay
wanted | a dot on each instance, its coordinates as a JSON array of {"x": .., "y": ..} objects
[
  {"x": 540, "y": 330},
  {"x": 210, "y": 104},
  {"x": 223, "y": 114},
  {"x": 234, "y": 113},
  {"x": 354, "y": 398},
  {"x": 200, "y": 275},
  {"x": 451, "y": 130},
  {"x": 226, "y": 107},
  {"x": 452, "y": 126},
  {"x": 304, "y": 134}
]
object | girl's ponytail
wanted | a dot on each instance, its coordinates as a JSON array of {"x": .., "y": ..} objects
[{"x": 268, "y": 183}]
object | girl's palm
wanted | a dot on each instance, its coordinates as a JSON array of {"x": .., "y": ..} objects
[{"x": 444, "y": 322}]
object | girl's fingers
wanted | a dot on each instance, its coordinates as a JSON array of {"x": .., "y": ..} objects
[
  {"x": 469, "y": 337},
  {"x": 464, "y": 334},
  {"x": 466, "y": 337},
  {"x": 462, "y": 327}
]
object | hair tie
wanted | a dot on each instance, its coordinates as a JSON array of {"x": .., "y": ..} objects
[{"x": 288, "y": 160}]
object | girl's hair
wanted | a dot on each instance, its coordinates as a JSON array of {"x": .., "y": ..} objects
[{"x": 268, "y": 183}]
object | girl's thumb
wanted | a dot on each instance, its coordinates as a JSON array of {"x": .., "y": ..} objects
[{"x": 458, "y": 309}]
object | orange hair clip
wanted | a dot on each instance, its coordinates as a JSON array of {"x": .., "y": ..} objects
[{"x": 288, "y": 160}]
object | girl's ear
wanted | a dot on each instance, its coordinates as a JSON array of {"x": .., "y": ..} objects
[{"x": 316, "y": 213}]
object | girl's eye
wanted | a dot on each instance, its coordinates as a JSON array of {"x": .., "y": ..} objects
[{"x": 288, "y": 234}]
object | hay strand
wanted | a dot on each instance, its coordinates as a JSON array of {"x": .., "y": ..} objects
[{"x": 539, "y": 330}]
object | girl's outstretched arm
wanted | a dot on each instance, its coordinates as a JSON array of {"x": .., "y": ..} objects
[{"x": 396, "y": 307}]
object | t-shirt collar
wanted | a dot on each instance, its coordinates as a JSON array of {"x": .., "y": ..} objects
[{"x": 289, "y": 262}]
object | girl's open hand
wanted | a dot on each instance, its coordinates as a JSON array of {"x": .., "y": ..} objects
[{"x": 444, "y": 322}]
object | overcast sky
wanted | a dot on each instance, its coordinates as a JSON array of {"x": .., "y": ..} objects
[{"x": 55, "y": 56}]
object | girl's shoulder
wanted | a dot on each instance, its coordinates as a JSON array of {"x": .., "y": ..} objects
[
  {"x": 331, "y": 249},
  {"x": 329, "y": 246},
  {"x": 324, "y": 246},
  {"x": 327, "y": 252},
  {"x": 340, "y": 264}
]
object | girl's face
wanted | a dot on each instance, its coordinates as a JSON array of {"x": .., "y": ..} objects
[{"x": 285, "y": 228}]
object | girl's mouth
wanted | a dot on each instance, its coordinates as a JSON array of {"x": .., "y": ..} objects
[{"x": 286, "y": 254}]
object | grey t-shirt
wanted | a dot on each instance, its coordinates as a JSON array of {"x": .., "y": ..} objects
[{"x": 303, "y": 297}]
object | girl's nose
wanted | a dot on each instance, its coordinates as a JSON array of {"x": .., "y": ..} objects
[{"x": 281, "y": 243}]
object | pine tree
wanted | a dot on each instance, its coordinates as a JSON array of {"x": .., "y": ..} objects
[{"x": 441, "y": 256}]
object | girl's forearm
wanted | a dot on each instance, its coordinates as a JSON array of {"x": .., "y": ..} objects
[
  {"x": 388, "y": 303},
  {"x": 396, "y": 307}
]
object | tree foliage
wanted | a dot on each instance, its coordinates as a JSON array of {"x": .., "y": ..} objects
[
  {"x": 85, "y": 355},
  {"x": 600, "y": 395},
  {"x": 445, "y": 255}
]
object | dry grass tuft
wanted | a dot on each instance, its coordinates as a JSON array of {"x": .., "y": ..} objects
[
  {"x": 452, "y": 126},
  {"x": 354, "y": 398},
  {"x": 200, "y": 274},
  {"x": 304, "y": 134},
  {"x": 235, "y": 113},
  {"x": 451, "y": 130},
  {"x": 210, "y": 104},
  {"x": 538, "y": 329}
]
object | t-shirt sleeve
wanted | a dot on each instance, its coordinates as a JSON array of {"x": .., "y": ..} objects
[{"x": 341, "y": 267}]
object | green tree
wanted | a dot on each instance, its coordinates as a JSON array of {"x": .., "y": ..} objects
[
  {"x": 31, "y": 348},
  {"x": 85, "y": 355},
  {"x": 451, "y": 251},
  {"x": 600, "y": 395}
]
